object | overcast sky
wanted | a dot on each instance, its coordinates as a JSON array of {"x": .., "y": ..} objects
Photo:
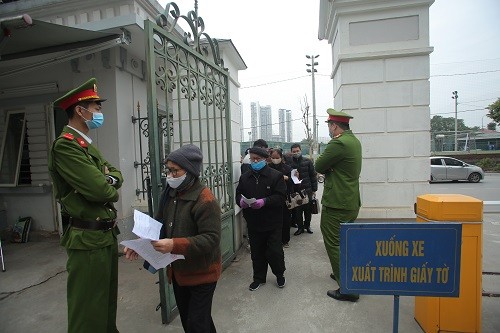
[{"x": 274, "y": 36}]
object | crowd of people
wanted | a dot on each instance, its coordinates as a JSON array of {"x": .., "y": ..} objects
[{"x": 86, "y": 184}]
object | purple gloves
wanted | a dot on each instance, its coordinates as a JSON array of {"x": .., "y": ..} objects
[
  {"x": 243, "y": 204},
  {"x": 258, "y": 204}
]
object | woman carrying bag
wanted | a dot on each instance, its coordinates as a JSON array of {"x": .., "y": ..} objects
[{"x": 278, "y": 163}]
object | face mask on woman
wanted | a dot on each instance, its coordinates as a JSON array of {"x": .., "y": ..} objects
[
  {"x": 256, "y": 166},
  {"x": 276, "y": 160},
  {"x": 175, "y": 182}
]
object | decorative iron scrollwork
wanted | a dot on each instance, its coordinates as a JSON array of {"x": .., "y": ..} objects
[
  {"x": 191, "y": 38},
  {"x": 145, "y": 162}
]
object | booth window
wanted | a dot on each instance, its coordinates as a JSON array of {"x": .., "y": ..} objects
[{"x": 14, "y": 157}]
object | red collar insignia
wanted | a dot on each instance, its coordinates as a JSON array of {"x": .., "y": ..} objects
[
  {"x": 68, "y": 136},
  {"x": 82, "y": 142}
]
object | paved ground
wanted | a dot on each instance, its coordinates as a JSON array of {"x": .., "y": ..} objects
[{"x": 33, "y": 294}]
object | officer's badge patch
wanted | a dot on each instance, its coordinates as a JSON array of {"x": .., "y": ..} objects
[
  {"x": 68, "y": 136},
  {"x": 82, "y": 142}
]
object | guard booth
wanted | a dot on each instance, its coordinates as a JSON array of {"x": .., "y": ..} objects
[
  {"x": 462, "y": 314},
  {"x": 188, "y": 103}
]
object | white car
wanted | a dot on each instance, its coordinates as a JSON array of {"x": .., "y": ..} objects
[{"x": 449, "y": 168}]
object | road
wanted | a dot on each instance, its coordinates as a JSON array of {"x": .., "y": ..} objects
[{"x": 487, "y": 189}]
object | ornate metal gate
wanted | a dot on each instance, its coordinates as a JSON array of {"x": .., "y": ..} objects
[{"x": 188, "y": 102}]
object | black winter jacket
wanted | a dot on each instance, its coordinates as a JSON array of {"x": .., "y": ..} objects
[
  {"x": 286, "y": 170},
  {"x": 267, "y": 184},
  {"x": 306, "y": 173}
]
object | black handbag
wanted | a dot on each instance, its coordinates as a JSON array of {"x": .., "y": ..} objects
[{"x": 314, "y": 206}]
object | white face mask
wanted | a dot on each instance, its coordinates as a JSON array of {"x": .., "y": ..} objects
[
  {"x": 175, "y": 182},
  {"x": 276, "y": 160}
]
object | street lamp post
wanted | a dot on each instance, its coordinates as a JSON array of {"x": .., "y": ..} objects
[
  {"x": 250, "y": 138},
  {"x": 312, "y": 70},
  {"x": 455, "y": 97},
  {"x": 482, "y": 121}
]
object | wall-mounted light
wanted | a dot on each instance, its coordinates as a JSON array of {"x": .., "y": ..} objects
[{"x": 29, "y": 90}]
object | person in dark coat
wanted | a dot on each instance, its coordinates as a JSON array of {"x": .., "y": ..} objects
[
  {"x": 258, "y": 143},
  {"x": 191, "y": 217},
  {"x": 264, "y": 216},
  {"x": 307, "y": 174},
  {"x": 278, "y": 163}
]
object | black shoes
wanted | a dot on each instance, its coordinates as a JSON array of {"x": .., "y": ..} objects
[
  {"x": 281, "y": 281},
  {"x": 255, "y": 285},
  {"x": 298, "y": 232},
  {"x": 342, "y": 297},
  {"x": 301, "y": 231}
]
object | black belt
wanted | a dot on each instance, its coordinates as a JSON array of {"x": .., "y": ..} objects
[{"x": 89, "y": 224}]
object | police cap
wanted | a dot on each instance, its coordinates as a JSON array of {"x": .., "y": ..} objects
[
  {"x": 338, "y": 116},
  {"x": 85, "y": 92}
]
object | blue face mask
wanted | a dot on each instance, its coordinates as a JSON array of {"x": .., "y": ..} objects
[
  {"x": 97, "y": 120},
  {"x": 256, "y": 166}
]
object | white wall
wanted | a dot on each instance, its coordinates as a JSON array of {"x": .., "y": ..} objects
[{"x": 380, "y": 54}]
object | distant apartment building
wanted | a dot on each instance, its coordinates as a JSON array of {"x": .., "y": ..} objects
[
  {"x": 288, "y": 116},
  {"x": 254, "y": 135},
  {"x": 262, "y": 123},
  {"x": 266, "y": 123},
  {"x": 282, "y": 124}
]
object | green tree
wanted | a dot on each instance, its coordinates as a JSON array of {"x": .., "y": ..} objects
[
  {"x": 440, "y": 124},
  {"x": 492, "y": 126},
  {"x": 494, "y": 111}
]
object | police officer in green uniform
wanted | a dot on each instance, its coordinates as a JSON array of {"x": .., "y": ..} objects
[
  {"x": 340, "y": 162},
  {"x": 86, "y": 186}
]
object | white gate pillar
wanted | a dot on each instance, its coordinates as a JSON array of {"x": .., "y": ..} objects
[{"x": 380, "y": 57}]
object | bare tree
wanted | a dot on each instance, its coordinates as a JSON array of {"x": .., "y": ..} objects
[{"x": 305, "y": 119}]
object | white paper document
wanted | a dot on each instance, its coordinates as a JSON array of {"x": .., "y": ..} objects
[
  {"x": 144, "y": 248},
  {"x": 295, "y": 179},
  {"x": 145, "y": 226},
  {"x": 248, "y": 201}
]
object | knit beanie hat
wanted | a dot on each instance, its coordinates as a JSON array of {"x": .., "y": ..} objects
[
  {"x": 188, "y": 157},
  {"x": 262, "y": 152}
]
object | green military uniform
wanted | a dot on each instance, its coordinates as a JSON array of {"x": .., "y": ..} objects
[
  {"x": 83, "y": 187},
  {"x": 340, "y": 162}
]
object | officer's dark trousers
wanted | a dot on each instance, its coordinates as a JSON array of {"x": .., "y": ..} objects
[
  {"x": 267, "y": 249},
  {"x": 304, "y": 212},
  {"x": 195, "y": 307},
  {"x": 285, "y": 231},
  {"x": 92, "y": 290}
]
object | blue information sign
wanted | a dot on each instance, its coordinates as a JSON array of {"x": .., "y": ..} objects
[{"x": 411, "y": 259}]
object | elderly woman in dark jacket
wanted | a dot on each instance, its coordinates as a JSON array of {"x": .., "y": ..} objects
[
  {"x": 191, "y": 226},
  {"x": 264, "y": 216},
  {"x": 278, "y": 164}
]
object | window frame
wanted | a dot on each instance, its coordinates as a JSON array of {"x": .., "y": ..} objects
[{"x": 20, "y": 148}]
